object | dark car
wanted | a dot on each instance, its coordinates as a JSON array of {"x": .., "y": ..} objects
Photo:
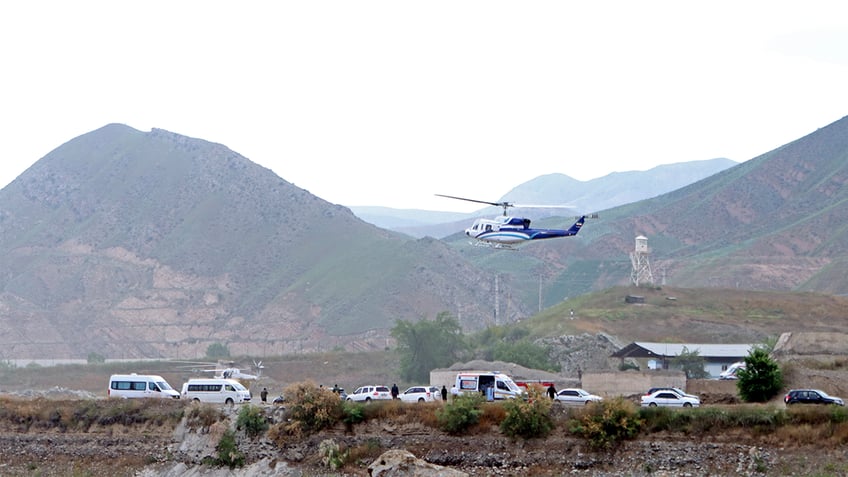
[{"x": 811, "y": 396}]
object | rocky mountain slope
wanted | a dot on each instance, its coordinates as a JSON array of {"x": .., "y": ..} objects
[
  {"x": 130, "y": 245},
  {"x": 775, "y": 222}
]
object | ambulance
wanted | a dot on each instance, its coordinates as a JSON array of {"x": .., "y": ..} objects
[{"x": 493, "y": 385}]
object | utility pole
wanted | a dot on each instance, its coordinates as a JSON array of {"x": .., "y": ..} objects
[
  {"x": 497, "y": 300},
  {"x": 540, "y": 293}
]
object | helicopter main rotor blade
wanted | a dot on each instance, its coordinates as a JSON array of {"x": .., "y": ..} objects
[
  {"x": 497, "y": 204},
  {"x": 542, "y": 206}
]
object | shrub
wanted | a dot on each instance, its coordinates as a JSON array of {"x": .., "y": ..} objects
[
  {"x": 365, "y": 452},
  {"x": 816, "y": 414},
  {"x": 330, "y": 454},
  {"x": 252, "y": 420},
  {"x": 605, "y": 424},
  {"x": 691, "y": 363},
  {"x": 761, "y": 378},
  {"x": 353, "y": 413},
  {"x": 627, "y": 366},
  {"x": 461, "y": 413},
  {"x": 228, "y": 452},
  {"x": 202, "y": 415},
  {"x": 311, "y": 408},
  {"x": 656, "y": 419},
  {"x": 530, "y": 418}
]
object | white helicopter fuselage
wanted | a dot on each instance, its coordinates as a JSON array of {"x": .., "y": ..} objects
[
  {"x": 500, "y": 230},
  {"x": 233, "y": 373},
  {"x": 505, "y": 231}
]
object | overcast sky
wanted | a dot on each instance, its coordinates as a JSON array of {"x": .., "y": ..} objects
[{"x": 390, "y": 102}]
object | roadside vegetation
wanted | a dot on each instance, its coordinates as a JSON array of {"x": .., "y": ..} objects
[{"x": 311, "y": 410}]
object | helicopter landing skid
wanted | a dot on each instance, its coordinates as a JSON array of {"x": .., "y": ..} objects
[{"x": 497, "y": 246}]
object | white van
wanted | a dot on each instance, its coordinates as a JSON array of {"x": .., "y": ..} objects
[
  {"x": 502, "y": 386},
  {"x": 216, "y": 390},
  {"x": 730, "y": 372},
  {"x": 140, "y": 386}
]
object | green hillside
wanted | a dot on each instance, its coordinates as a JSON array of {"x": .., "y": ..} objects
[
  {"x": 775, "y": 222},
  {"x": 684, "y": 315}
]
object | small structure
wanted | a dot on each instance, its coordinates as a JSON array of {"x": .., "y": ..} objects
[
  {"x": 641, "y": 274},
  {"x": 717, "y": 357}
]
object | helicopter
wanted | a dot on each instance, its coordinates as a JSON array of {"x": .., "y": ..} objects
[
  {"x": 505, "y": 232},
  {"x": 225, "y": 370}
]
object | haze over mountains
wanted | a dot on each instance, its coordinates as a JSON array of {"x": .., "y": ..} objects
[
  {"x": 556, "y": 189},
  {"x": 135, "y": 244}
]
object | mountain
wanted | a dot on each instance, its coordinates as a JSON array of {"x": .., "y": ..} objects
[
  {"x": 606, "y": 192},
  {"x": 137, "y": 245},
  {"x": 141, "y": 245},
  {"x": 617, "y": 188},
  {"x": 775, "y": 222}
]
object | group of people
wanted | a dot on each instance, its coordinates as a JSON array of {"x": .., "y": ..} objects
[{"x": 263, "y": 395}]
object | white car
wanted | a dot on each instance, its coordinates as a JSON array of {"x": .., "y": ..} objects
[
  {"x": 421, "y": 394},
  {"x": 370, "y": 393},
  {"x": 576, "y": 396},
  {"x": 669, "y": 398},
  {"x": 677, "y": 390}
]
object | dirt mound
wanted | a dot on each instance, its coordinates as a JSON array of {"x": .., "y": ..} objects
[
  {"x": 516, "y": 371},
  {"x": 797, "y": 344}
]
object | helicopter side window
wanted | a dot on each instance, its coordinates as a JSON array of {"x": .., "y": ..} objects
[{"x": 488, "y": 228}]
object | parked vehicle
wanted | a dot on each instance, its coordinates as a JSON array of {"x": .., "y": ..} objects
[
  {"x": 370, "y": 393},
  {"x": 677, "y": 390},
  {"x": 811, "y": 396},
  {"x": 730, "y": 372},
  {"x": 215, "y": 390},
  {"x": 128, "y": 386},
  {"x": 668, "y": 398},
  {"x": 501, "y": 385},
  {"x": 576, "y": 396},
  {"x": 421, "y": 394}
]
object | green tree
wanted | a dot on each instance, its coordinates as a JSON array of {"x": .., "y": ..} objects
[
  {"x": 427, "y": 344},
  {"x": 511, "y": 344},
  {"x": 692, "y": 363},
  {"x": 761, "y": 379},
  {"x": 217, "y": 351}
]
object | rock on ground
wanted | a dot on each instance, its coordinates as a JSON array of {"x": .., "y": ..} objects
[{"x": 401, "y": 463}]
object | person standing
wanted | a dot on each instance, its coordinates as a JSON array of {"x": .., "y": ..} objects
[
  {"x": 395, "y": 391},
  {"x": 444, "y": 393},
  {"x": 551, "y": 391},
  {"x": 264, "y": 394}
]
